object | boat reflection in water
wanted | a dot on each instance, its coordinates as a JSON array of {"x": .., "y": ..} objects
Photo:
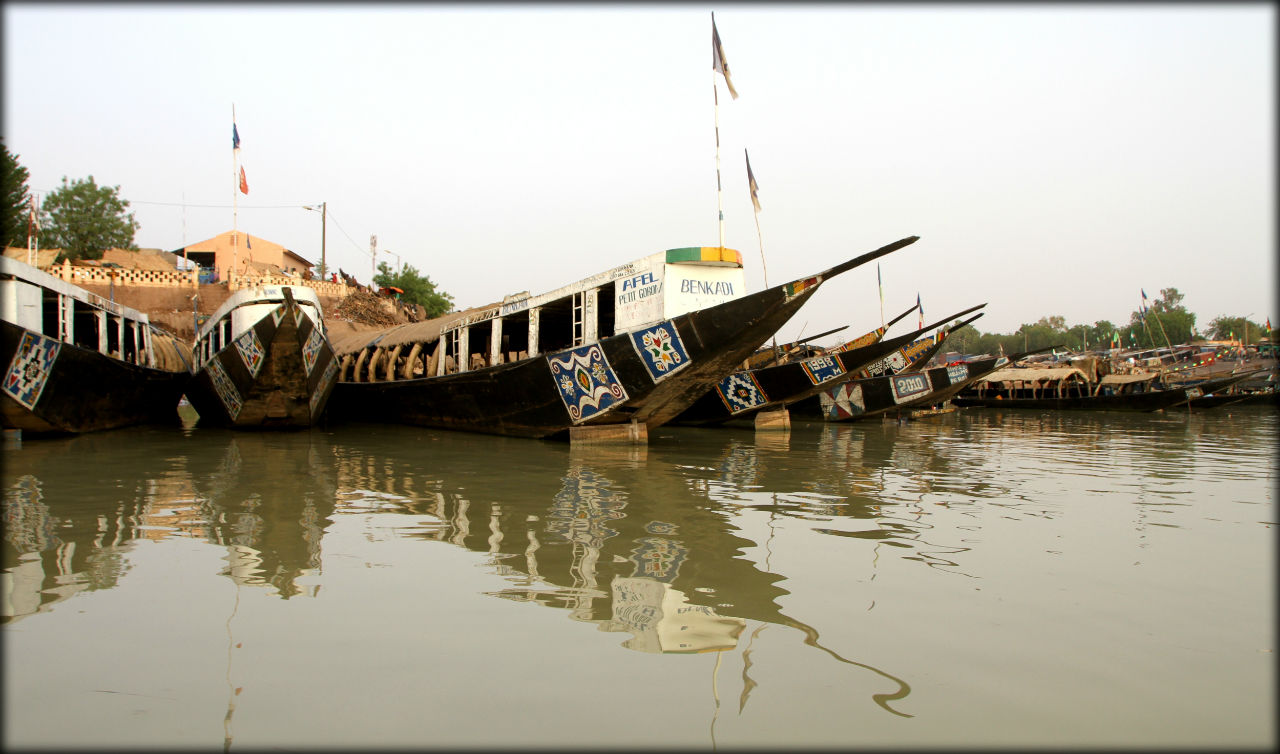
[
  {"x": 264, "y": 498},
  {"x": 639, "y": 540},
  {"x": 631, "y": 538}
]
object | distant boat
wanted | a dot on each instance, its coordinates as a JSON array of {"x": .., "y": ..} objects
[
  {"x": 263, "y": 361},
  {"x": 1069, "y": 388},
  {"x": 747, "y": 392},
  {"x": 76, "y": 362},
  {"x": 606, "y": 358}
]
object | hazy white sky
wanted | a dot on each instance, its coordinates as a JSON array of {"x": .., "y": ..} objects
[{"x": 1054, "y": 160}]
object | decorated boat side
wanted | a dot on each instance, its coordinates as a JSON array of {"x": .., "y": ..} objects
[
  {"x": 748, "y": 392},
  {"x": 894, "y": 392},
  {"x": 76, "y": 362},
  {"x": 609, "y": 357},
  {"x": 875, "y": 396},
  {"x": 263, "y": 361}
]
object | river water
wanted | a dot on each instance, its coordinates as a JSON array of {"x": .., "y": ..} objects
[{"x": 979, "y": 579}]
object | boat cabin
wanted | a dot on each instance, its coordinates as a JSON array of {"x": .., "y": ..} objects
[
  {"x": 1127, "y": 384},
  {"x": 624, "y": 299},
  {"x": 1034, "y": 382},
  {"x": 245, "y": 308},
  {"x": 46, "y": 305}
]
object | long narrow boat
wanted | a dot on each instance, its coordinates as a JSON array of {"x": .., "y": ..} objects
[
  {"x": 76, "y": 362},
  {"x": 905, "y": 390},
  {"x": 607, "y": 358},
  {"x": 747, "y": 392},
  {"x": 263, "y": 361},
  {"x": 1068, "y": 388}
]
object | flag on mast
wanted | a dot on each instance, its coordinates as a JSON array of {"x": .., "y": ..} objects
[
  {"x": 751, "y": 181},
  {"x": 921, "y": 310},
  {"x": 719, "y": 63},
  {"x": 235, "y": 150}
]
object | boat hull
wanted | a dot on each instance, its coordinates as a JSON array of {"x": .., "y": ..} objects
[
  {"x": 57, "y": 387},
  {"x": 278, "y": 374},
  {"x": 747, "y": 392},
  {"x": 875, "y": 396},
  {"x": 613, "y": 381}
]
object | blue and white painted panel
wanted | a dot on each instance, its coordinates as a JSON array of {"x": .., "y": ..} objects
[
  {"x": 909, "y": 386},
  {"x": 30, "y": 367},
  {"x": 740, "y": 391},
  {"x": 586, "y": 382},
  {"x": 661, "y": 350}
]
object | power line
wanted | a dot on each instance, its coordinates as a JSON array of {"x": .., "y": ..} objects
[{"x": 217, "y": 206}]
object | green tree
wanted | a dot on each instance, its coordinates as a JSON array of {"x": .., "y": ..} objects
[
  {"x": 1167, "y": 322},
  {"x": 85, "y": 219},
  {"x": 1100, "y": 334},
  {"x": 1243, "y": 328},
  {"x": 17, "y": 198},
  {"x": 418, "y": 288}
]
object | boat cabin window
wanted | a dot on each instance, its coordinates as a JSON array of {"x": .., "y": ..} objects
[
  {"x": 51, "y": 325},
  {"x": 478, "y": 344},
  {"x": 130, "y": 341},
  {"x": 113, "y": 335},
  {"x": 555, "y": 325},
  {"x": 605, "y": 299},
  {"x": 515, "y": 336},
  {"x": 84, "y": 325}
]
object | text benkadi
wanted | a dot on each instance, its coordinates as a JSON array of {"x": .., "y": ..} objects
[{"x": 706, "y": 288}]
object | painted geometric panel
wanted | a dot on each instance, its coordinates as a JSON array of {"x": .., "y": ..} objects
[
  {"x": 225, "y": 388},
  {"x": 908, "y": 386},
  {"x": 251, "y": 351},
  {"x": 30, "y": 367},
  {"x": 311, "y": 348},
  {"x": 587, "y": 383},
  {"x": 958, "y": 373},
  {"x": 822, "y": 368},
  {"x": 277, "y": 314},
  {"x": 842, "y": 402},
  {"x": 661, "y": 350},
  {"x": 326, "y": 378},
  {"x": 740, "y": 392}
]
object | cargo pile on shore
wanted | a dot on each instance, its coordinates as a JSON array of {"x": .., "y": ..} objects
[{"x": 364, "y": 307}]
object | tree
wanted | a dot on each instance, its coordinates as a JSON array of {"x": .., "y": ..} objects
[
  {"x": 17, "y": 198},
  {"x": 1166, "y": 322},
  {"x": 418, "y": 288},
  {"x": 1240, "y": 328},
  {"x": 85, "y": 219}
]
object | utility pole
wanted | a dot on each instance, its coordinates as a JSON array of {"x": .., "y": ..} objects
[
  {"x": 373, "y": 257},
  {"x": 324, "y": 269}
]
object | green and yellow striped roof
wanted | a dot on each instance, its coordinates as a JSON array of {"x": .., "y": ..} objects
[{"x": 718, "y": 255}]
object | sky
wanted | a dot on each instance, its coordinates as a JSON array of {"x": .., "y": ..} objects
[{"x": 1055, "y": 160}]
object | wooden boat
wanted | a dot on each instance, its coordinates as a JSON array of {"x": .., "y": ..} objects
[
  {"x": 263, "y": 361},
  {"x": 1070, "y": 388},
  {"x": 76, "y": 362},
  {"x": 606, "y": 358},
  {"x": 897, "y": 392},
  {"x": 1230, "y": 397},
  {"x": 748, "y": 392}
]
